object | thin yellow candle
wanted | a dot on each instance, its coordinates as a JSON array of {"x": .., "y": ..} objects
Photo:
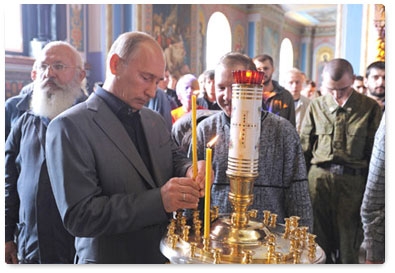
[
  {"x": 207, "y": 187},
  {"x": 207, "y": 194},
  {"x": 194, "y": 138}
]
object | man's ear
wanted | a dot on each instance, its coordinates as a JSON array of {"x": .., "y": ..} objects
[
  {"x": 82, "y": 74},
  {"x": 115, "y": 62},
  {"x": 33, "y": 75}
]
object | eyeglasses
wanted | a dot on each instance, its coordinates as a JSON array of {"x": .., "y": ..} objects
[{"x": 58, "y": 67}]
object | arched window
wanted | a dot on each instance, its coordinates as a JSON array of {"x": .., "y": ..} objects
[
  {"x": 31, "y": 25},
  {"x": 286, "y": 59},
  {"x": 13, "y": 40},
  {"x": 219, "y": 39}
]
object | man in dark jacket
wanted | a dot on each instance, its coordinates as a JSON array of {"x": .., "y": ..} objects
[
  {"x": 17, "y": 105},
  {"x": 34, "y": 232},
  {"x": 276, "y": 99}
]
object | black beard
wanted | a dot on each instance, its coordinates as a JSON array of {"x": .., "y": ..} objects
[
  {"x": 266, "y": 83},
  {"x": 378, "y": 95}
]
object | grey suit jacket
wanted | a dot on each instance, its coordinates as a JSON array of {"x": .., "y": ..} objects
[{"x": 104, "y": 192}]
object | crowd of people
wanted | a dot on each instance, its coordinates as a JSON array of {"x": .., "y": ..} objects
[{"x": 95, "y": 178}]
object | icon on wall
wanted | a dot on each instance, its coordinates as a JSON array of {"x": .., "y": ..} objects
[{"x": 171, "y": 28}]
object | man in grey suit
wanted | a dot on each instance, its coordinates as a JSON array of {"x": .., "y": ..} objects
[{"x": 117, "y": 175}]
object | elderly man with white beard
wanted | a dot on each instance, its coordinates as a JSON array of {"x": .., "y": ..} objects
[{"x": 34, "y": 232}]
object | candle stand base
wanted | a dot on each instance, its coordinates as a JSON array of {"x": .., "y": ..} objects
[{"x": 257, "y": 243}]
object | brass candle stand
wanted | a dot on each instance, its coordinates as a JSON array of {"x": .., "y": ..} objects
[
  {"x": 258, "y": 242},
  {"x": 238, "y": 237}
]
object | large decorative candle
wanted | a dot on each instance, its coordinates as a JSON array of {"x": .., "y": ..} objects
[
  {"x": 245, "y": 123},
  {"x": 194, "y": 138},
  {"x": 245, "y": 129}
]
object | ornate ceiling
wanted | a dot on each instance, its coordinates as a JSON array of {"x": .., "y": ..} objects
[{"x": 311, "y": 15}]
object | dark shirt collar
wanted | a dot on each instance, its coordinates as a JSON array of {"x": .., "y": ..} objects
[
  {"x": 277, "y": 87},
  {"x": 117, "y": 106},
  {"x": 348, "y": 106}
]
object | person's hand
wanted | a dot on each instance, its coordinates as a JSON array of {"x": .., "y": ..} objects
[
  {"x": 363, "y": 254},
  {"x": 201, "y": 176},
  {"x": 180, "y": 193},
  {"x": 10, "y": 253}
]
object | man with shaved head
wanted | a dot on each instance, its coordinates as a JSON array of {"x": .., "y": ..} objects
[{"x": 337, "y": 139}]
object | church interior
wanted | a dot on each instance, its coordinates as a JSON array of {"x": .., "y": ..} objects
[{"x": 194, "y": 36}]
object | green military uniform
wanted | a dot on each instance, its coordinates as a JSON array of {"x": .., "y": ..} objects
[{"x": 337, "y": 143}]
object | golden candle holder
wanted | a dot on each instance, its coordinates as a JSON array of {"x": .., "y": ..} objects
[
  {"x": 238, "y": 237},
  {"x": 255, "y": 243}
]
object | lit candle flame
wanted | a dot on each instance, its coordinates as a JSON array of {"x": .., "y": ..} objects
[{"x": 212, "y": 141}]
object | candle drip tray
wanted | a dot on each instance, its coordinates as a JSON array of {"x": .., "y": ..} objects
[
  {"x": 256, "y": 243},
  {"x": 252, "y": 234}
]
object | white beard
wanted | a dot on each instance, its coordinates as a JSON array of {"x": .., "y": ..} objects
[{"x": 49, "y": 101}]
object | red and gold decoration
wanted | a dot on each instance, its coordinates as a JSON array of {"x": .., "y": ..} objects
[{"x": 248, "y": 77}]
